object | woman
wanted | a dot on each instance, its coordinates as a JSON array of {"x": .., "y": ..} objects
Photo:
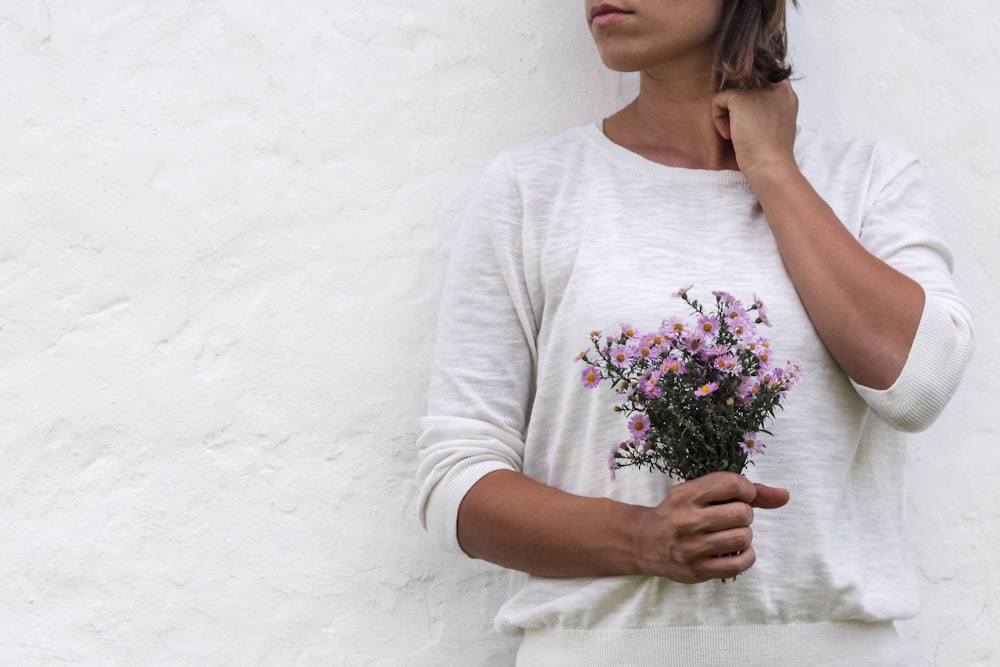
[{"x": 703, "y": 178}]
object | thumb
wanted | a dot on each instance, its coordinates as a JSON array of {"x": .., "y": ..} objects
[{"x": 770, "y": 497}]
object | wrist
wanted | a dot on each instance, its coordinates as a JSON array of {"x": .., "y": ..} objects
[
  {"x": 774, "y": 177},
  {"x": 771, "y": 169},
  {"x": 633, "y": 541}
]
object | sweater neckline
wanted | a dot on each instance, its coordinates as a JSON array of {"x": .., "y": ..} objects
[{"x": 723, "y": 177}]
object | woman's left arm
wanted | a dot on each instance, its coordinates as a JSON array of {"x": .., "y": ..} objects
[{"x": 865, "y": 311}]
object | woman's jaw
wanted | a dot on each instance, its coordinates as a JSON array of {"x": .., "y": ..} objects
[{"x": 655, "y": 35}]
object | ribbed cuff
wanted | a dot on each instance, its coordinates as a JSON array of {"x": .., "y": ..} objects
[
  {"x": 446, "y": 498},
  {"x": 940, "y": 351}
]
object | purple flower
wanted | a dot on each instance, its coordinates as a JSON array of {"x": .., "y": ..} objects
[
  {"x": 621, "y": 355},
  {"x": 708, "y": 324},
  {"x": 694, "y": 344},
  {"x": 748, "y": 390},
  {"x": 591, "y": 377},
  {"x": 793, "y": 373},
  {"x": 751, "y": 444},
  {"x": 714, "y": 351},
  {"x": 673, "y": 327},
  {"x": 758, "y": 305},
  {"x": 682, "y": 291},
  {"x": 613, "y": 464},
  {"x": 650, "y": 387},
  {"x": 638, "y": 424},
  {"x": 725, "y": 363},
  {"x": 735, "y": 312},
  {"x": 671, "y": 365},
  {"x": 725, "y": 297},
  {"x": 706, "y": 389}
]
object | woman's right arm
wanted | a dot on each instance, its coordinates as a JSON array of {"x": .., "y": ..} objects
[{"x": 513, "y": 521}]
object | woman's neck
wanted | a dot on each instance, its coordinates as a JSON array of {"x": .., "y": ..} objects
[{"x": 670, "y": 122}]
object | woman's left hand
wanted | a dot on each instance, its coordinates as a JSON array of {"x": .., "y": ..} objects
[{"x": 760, "y": 123}]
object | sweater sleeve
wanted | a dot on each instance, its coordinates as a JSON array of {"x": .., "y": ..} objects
[
  {"x": 482, "y": 374},
  {"x": 900, "y": 229}
]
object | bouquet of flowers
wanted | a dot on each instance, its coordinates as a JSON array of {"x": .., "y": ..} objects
[{"x": 697, "y": 394}]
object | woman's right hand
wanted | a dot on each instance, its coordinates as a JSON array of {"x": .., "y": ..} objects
[{"x": 701, "y": 530}]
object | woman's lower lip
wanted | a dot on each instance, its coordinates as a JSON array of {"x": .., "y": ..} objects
[{"x": 609, "y": 18}]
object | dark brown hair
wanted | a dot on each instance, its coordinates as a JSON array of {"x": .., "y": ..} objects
[{"x": 752, "y": 44}]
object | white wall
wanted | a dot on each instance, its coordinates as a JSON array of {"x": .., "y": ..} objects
[{"x": 223, "y": 229}]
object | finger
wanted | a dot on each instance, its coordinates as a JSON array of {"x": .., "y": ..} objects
[
  {"x": 770, "y": 497},
  {"x": 726, "y": 542},
  {"x": 719, "y": 487},
  {"x": 720, "y": 116},
  {"x": 725, "y": 516},
  {"x": 725, "y": 567},
  {"x": 720, "y": 103}
]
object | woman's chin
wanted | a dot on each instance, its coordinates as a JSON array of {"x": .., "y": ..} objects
[{"x": 621, "y": 62}]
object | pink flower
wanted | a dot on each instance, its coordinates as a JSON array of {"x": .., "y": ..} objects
[
  {"x": 735, "y": 311},
  {"x": 682, "y": 291},
  {"x": 650, "y": 387},
  {"x": 613, "y": 464},
  {"x": 748, "y": 389},
  {"x": 671, "y": 365},
  {"x": 725, "y": 363},
  {"x": 591, "y": 377},
  {"x": 673, "y": 326},
  {"x": 751, "y": 444},
  {"x": 653, "y": 340},
  {"x": 793, "y": 373},
  {"x": 725, "y": 297},
  {"x": 638, "y": 424},
  {"x": 758, "y": 305},
  {"x": 694, "y": 344},
  {"x": 740, "y": 328},
  {"x": 762, "y": 350},
  {"x": 621, "y": 355},
  {"x": 706, "y": 389},
  {"x": 708, "y": 324}
]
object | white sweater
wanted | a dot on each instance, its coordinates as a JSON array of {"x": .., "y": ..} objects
[{"x": 575, "y": 233}]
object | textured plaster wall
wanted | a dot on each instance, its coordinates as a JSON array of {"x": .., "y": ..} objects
[{"x": 224, "y": 224}]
